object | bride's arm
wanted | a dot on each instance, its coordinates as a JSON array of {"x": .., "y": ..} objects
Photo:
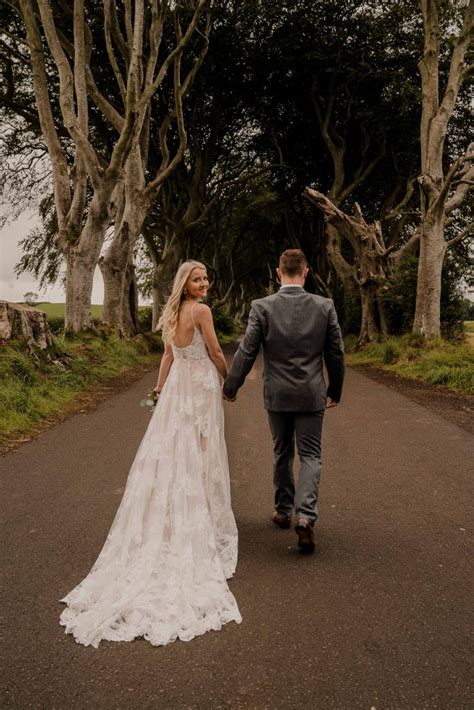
[
  {"x": 203, "y": 318},
  {"x": 165, "y": 364}
]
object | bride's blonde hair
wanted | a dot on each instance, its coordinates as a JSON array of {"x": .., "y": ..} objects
[{"x": 169, "y": 317}]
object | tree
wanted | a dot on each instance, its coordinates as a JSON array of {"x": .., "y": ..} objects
[
  {"x": 30, "y": 298},
  {"x": 86, "y": 195},
  {"x": 143, "y": 181},
  {"x": 79, "y": 237},
  {"x": 442, "y": 190},
  {"x": 191, "y": 213},
  {"x": 352, "y": 80}
]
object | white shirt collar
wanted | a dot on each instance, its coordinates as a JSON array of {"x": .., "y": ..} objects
[{"x": 290, "y": 286}]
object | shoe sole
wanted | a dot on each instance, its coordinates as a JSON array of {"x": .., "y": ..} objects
[{"x": 305, "y": 543}]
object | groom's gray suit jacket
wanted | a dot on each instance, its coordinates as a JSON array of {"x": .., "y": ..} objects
[{"x": 296, "y": 330}]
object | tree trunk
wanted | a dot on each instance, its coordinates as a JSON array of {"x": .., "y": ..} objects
[
  {"x": 120, "y": 308},
  {"x": 118, "y": 271},
  {"x": 112, "y": 278},
  {"x": 81, "y": 260},
  {"x": 373, "y": 322},
  {"x": 129, "y": 316},
  {"x": 430, "y": 267},
  {"x": 368, "y": 275},
  {"x": 79, "y": 282},
  {"x": 440, "y": 193},
  {"x": 19, "y": 322},
  {"x": 381, "y": 310},
  {"x": 368, "y": 328}
]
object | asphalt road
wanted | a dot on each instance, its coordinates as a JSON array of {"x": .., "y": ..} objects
[{"x": 377, "y": 618}]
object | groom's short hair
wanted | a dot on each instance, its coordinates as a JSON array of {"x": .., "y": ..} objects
[{"x": 292, "y": 262}]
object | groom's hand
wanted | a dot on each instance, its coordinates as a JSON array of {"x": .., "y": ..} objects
[
  {"x": 330, "y": 403},
  {"x": 229, "y": 399}
]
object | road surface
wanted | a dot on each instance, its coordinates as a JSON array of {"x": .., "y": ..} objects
[{"x": 377, "y": 618}]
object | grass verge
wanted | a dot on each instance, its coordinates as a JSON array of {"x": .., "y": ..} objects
[
  {"x": 438, "y": 362},
  {"x": 36, "y": 386}
]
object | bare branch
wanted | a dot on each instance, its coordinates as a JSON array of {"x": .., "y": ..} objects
[
  {"x": 409, "y": 245},
  {"x": 80, "y": 174},
  {"x": 463, "y": 185},
  {"x": 118, "y": 37},
  {"x": 362, "y": 173},
  {"x": 155, "y": 36},
  {"x": 110, "y": 113},
  {"x": 151, "y": 89},
  {"x": 435, "y": 130},
  {"x": 66, "y": 94},
  {"x": 180, "y": 92},
  {"x": 457, "y": 71},
  {"x": 468, "y": 229},
  {"x": 396, "y": 210},
  {"x": 336, "y": 148},
  {"x": 128, "y": 21},
  {"x": 110, "y": 49},
  {"x": 428, "y": 68},
  {"x": 335, "y": 216},
  {"x": 62, "y": 194}
]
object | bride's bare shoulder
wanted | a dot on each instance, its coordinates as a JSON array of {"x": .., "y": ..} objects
[{"x": 202, "y": 310}]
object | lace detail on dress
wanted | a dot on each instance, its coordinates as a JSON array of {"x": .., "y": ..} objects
[
  {"x": 196, "y": 350},
  {"x": 162, "y": 571}
]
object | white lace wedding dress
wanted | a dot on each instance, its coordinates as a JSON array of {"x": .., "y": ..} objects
[{"x": 162, "y": 571}]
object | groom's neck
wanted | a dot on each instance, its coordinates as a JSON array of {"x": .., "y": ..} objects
[{"x": 297, "y": 281}]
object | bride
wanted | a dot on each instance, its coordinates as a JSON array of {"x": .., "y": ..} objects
[{"x": 173, "y": 543}]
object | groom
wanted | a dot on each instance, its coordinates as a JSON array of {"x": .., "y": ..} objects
[{"x": 296, "y": 330}]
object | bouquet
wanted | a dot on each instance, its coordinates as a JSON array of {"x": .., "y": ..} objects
[{"x": 150, "y": 400}]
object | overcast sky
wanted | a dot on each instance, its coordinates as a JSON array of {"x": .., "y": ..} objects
[{"x": 13, "y": 287}]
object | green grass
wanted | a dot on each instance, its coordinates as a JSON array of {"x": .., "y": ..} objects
[
  {"x": 469, "y": 326},
  {"x": 438, "y": 362},
  {"x": 56, "y": 310},
  {"x": 35, "y": 387}
]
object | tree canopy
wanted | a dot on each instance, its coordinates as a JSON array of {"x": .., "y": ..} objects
[{"x": 251, "y": 106}]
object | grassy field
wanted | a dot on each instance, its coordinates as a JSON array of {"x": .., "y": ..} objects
[
  {"x": 438, "y": 362},
  {"x": 56, "y": 310}
]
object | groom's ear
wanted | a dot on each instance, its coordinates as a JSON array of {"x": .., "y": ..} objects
[{"x": 278, "y": 272}]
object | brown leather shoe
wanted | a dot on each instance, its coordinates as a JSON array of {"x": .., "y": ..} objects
[
  {"x": 283, "y": 521},
  {"x": 304, "y": 530}
]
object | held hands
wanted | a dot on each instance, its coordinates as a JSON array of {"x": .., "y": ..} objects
[
  {"x": 228, "y": 399},
  {"x": 330, "y": 403},
  {"x": 224, "y": 396}
]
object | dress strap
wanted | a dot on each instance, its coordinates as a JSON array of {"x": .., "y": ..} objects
[{"x": 192, "y": 315}]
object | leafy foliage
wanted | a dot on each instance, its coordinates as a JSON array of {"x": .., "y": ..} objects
[
  {"x": 401, "y": 295},
  {"x": 255, "y": 142},
  {"x": 41, "y": 257}
]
